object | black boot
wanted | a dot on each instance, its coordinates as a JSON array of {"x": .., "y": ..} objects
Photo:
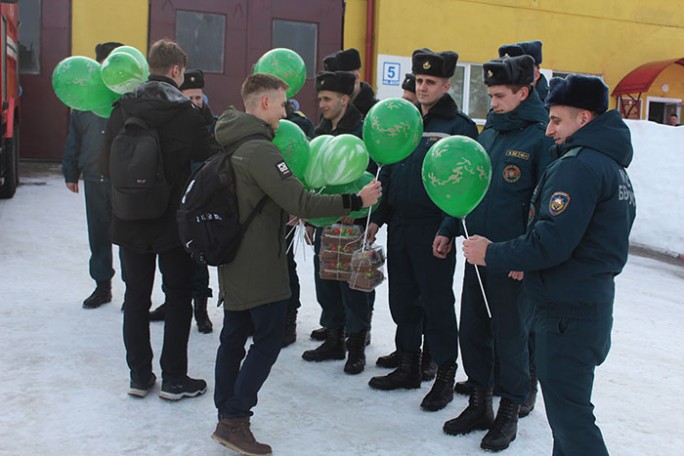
[
  {"x": 442, "y": 391},
  {"x": 428, "y": 368},
  {"x": 202, "y": 317},
  {"x": 332, "y": 348},
  {"x": 356, "y": 360},
  {"x": 318, "y": 334},
  {"x": 528, "y": 405},
  {"x": 463, "y": 388},
  {"x": 390, "y": 361},
  {"x": 504, "y": 429},
  {"x": 478, "y": 415},
  {"x": 159, "y": 313},
  {"x": 406, "y": 376},
  {"x": 290, "y": 327},
  {"x": 101, "y": 295}
]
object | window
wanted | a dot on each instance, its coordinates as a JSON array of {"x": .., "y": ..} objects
[
  {"x": 469, "y": 92},
  {"x": 202, "y": 37},
  {"x": 301, "y": 37},
  {"x": 29, "y": 45}
]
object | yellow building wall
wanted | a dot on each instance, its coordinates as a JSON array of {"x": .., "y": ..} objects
[
  {"x": 605, "y": 37},
  {"x": 98, "y": 21}
]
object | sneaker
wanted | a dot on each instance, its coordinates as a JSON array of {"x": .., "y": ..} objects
[
  {"x": 175, "y": 390},
  {"x": 138, "y": 389}
]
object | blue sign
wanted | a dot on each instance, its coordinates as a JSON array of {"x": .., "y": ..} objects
[{"x": 391, "y": 73}]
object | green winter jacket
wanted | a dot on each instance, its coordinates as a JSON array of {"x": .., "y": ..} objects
[{"x": 258, "y": 274}]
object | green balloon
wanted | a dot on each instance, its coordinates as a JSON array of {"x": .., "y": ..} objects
[
  {"x": 78, "y": 84},
  {"x": 313, "y": 176},
  {"x": 137, "y": 55},
  {"x": 293, "y": 146},
  {"x": 287, "y": 65},
  {"x": 365, "y": 179},
  {"x": 345, "y": 158},
  {"x": 122, "y": 73},
  {"x": 322, "y": 221},
  {"x": 456, "y": 174},
  {"x": 392, "y": 130}
]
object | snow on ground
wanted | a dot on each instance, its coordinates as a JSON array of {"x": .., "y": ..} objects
[{"x": 64, "y": 378}]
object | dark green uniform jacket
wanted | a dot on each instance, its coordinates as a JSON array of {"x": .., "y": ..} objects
[
  {"x": 542, "y": 87},
  {"x": 365, "y": 99},
  {"x": 258, "y": 274},
  {"x": 83, "y": 147},
  {"x": 582, "y": 213}
]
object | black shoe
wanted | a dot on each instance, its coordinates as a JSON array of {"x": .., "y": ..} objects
[
  {"x": 478, "y": 415},
  {"x": 318, "y": 334},
  {"x": 390, "y": 361},
  {"x": 290, "y": 327},
  {"x": 504, "y": 429},
  {"x": 159, "y": 313},
  {"x": 332, "y": 348},
  {"x": 527, "y": 407},
  {"x": 202, "y": 317},
  {"x": 140, "y": 389},
  {"x": 428, "y": 368},
  {"x": 356, "y": 361},
  {"x": 406, "y": 376},
  {"x": 463, "y": 388},
  {"x": 175, "y": 390},
  {"x": 101, "y": 295},
  {"x": 442, "y": 391}
]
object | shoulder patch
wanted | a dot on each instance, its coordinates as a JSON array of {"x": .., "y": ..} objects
[
  {"x": 283, "y": 169},
  {"x": 511, "y": 174},
  {"x": 558, "y": 203},
  {"x": 518, "y": 154}
]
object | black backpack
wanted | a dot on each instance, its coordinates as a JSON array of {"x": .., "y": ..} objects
[
  {"x": 208, "y": 218},
  {"x": 140, "y": 190}
]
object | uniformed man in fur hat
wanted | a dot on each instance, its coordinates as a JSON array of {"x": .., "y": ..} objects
[
  {"x": 534, "y": 50},
  {"x": 363, "y": 96},
  {"x": 408, "y": 85}
]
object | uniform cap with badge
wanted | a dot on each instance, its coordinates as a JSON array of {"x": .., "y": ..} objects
[
  {"x": 509, "y": 71},
  {"x": 345, "y": 60},
  {"x": 579, "y": 91},
  {"x": 409, "y": 83},
  {"x": 336, "y": 81},
  {"x": 531, "y": 48},
  {"x": 194, "y": 79},
  {"x": 439, "y": 64}
]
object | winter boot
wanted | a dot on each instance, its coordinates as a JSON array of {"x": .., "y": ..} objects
[
  {"x": 463, "y": 388},
  {"x": 528, "y": 405},
  {"x": 428, "y": 368},
  {"x": 318, "y": 334},
  {"x": 234, "y": 433},
  {"x": 201, "y": 317},
  {"x": 290, "y": 327},
  {"x": 505, "y": 427},
  {"x": 159, "y": 313},
  {"x": 177, "y": 389},
  {"x": 332, "y": 348},
  {"x": 356, "y": 360},
  {"x": 478, "y": 415},
  {"x": 442, "y": 391},
  {"x": 101, "y": 295},
  {"x": 406, "y": 376},
  {"x": 390, "y": 361}
]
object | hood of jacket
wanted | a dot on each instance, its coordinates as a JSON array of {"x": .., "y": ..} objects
[
  {"x": 530, "y": 111},
  {"x": 155, "y": 101},
  {"x": 233, "y": 125},
  {"x": 607, "y": 134}
]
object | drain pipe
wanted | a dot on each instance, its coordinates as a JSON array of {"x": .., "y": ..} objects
[{"x": 370, "y": 36}]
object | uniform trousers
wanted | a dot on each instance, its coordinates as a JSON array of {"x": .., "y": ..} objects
[{"x": 98, "y": 203}]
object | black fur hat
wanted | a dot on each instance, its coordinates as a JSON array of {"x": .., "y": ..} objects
[
  {"x": 509, "y": 71},
  {"x": 584, "y": 92},
  {"x": 103, "y": 50},
  {"x": 194, "y": 79},
  {"x": 337, "y": 81},
  {"x": 346, "y": 60},
  {"x": 440, "y": 64},
  {"x": 531, "y": 48},
  {"x": 409, "y": 83}
]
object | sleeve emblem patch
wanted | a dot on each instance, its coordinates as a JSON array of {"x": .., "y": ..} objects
[
  {"x": 558, "y": 203},
  {"x": 283, "y": 170},
  {"x": 512, "y": 174}
]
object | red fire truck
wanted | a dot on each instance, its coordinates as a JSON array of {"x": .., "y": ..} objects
[{"x": 9, "y": 71}]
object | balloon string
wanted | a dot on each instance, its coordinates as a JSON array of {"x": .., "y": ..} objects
[
  {"x": 293, "y": 237},
  {"x": 477, "y": 271},
  {"x": 370, "y": 209}
]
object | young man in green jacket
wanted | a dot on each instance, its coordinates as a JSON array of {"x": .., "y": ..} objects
[{"x": 255, "y": 285}]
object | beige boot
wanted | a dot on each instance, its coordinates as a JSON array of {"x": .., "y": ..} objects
[{"x": 234, "y": 433}]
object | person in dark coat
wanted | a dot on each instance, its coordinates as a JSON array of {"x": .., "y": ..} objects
[
  {"x": 81, "y": 153},
  {"x": 363, "y": 96},
  {"x": 576, "y": 242},
  {"x": 183, "y": 138},
  {"x": 534, "y": 50},
  {"x": 293, "y": 114},
  {"x": 420, "y": 283},
  {"x": 408, "y": 85},
  {"x": 519, "y": 152},
  {"x": 343, "y": 310}
]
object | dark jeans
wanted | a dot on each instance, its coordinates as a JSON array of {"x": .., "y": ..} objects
[
  {"x": 176, "y": 269},
  {"x": 507, "y": 332},
  {"x": 238, "y": 382},
  {"x": 98, "y": 203},
  {"x": 568, "y": 352}
]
